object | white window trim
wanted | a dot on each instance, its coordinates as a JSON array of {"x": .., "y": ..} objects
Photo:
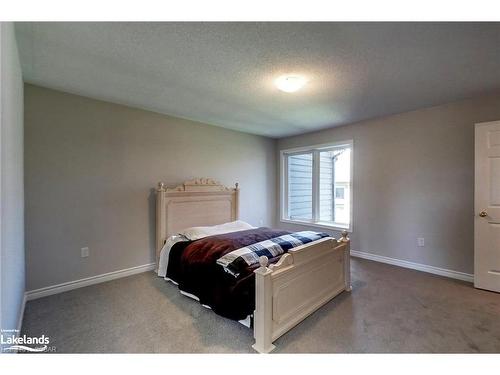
[{"x": 284, "y": 187}]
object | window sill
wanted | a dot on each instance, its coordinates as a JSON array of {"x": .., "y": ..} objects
[{"x": 332, "y": 226}]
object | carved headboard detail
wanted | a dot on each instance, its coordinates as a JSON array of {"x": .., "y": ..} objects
[
  {"x": 198, "y": 185},
  {"x": 197, "y": 202}
]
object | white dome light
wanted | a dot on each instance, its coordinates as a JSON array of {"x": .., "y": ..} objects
[{"x": 290, "y": 83}]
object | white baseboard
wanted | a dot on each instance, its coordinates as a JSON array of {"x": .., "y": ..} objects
[
  {"x": 64, "y": 287},
  {"x": 415, "y": 266}
]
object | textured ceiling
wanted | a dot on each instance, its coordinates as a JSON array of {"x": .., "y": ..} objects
[{"x": 222, "y": 73}]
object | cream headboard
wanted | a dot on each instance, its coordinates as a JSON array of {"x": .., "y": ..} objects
[{"x": 198, "y": 202}]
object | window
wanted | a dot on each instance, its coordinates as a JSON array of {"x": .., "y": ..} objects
[{"x": 316, "y": 185}]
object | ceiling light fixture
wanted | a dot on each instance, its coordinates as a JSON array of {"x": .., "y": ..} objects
[{"x": 290, "y": 83}]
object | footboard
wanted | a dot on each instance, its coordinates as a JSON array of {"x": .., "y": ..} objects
[{"x": 301, "y": 282}]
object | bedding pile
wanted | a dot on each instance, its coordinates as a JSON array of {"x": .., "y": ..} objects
[
  {"x": 195, "y": 233},
  {"x": 195, "y": 265}
]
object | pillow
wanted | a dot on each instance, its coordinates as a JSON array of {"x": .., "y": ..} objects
[{"x": 195, "y": 233}]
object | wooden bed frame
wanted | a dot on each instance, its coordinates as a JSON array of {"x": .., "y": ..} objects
[{"x": 302, "y": 281}]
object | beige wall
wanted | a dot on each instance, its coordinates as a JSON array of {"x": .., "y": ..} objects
[
  {"x": 11, "y": 181},
  {"x": 91, "y": 167},
  {"x": 413, "y": 177}
]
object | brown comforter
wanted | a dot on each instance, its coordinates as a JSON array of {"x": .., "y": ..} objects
[{"x": 192, "y": 264}]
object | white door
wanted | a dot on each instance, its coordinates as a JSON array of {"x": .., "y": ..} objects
[{"x": 487, "y": 207}]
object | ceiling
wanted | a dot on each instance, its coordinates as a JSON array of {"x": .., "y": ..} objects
[{"x": 222, "y": 73}]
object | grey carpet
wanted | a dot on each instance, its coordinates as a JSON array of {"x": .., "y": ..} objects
[{"x": 390, "y": 309}]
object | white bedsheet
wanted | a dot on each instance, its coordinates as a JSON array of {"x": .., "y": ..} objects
[
  {"x": 195, "y": 233},
  {"x": 165, "y": 253}
]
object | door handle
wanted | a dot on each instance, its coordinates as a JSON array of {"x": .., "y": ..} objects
[{"x": 483, "y": 214}]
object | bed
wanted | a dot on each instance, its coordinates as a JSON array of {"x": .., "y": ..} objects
[{"x": 277, "y": 290}]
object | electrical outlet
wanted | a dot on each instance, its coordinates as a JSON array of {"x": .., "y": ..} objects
[
  {"x": 85, "y": 252},
  {"x": 420, "y": 241},
  {"x": 261, "y": 222}
]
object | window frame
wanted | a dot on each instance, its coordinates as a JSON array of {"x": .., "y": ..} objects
[{"x": 315, "y": 149}]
